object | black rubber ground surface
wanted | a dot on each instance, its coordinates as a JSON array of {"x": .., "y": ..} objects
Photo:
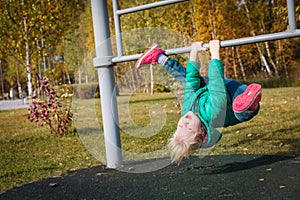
[{"x": 213, "y": 177}]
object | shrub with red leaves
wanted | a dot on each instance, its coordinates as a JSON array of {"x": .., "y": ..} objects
[{"x": 53, "y": 110}]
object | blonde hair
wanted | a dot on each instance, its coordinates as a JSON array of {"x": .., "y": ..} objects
[{"x": 181, "y": 146}]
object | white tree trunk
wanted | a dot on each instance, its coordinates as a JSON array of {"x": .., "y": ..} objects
[
  {"x": 271, "y": 60},
  {"x": 151, "y": 79},
  {"x": 226, "y": 68},
  {"x": 132, "y": 78},
  {"x": 79, "y": 76},
  {"x": 19, "y": 84},
  {"x": 263, "y": 60},
  {"x": 280, "y": 58},
  {"x": 212, "y": 20},
  {"x": 86, "y": 79},
  {"x": 261, "y": 55},
  {"x": 67, "y": 74},
  {"x": 234, "y": 65},
  {"x": 27, "y": 57},
  {"x": 241, "y": 64}
]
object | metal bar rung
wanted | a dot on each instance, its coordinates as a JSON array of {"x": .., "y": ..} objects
[
  {"x": 225, "y": 43},
  {"x": 147, "y": 6}
]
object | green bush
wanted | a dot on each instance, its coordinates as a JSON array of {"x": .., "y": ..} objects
[
  {"x": 160, "y": 88},
  {"x": 276, "y": 82},
  {"x": 86, "y": 91}
]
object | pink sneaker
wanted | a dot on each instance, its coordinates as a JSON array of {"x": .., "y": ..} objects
[
  {"x": 150, "y": 56},
  {"x": 248, "y": 100}
]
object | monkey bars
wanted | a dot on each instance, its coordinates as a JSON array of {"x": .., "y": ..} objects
[{"x": 104, "y": 61}]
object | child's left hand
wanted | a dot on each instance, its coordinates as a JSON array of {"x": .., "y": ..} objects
[{"x": 214, "y": 47}]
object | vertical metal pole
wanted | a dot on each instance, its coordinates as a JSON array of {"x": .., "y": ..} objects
[
  {"x": 291, "y": 15},
  {"x": 106, "y": 83},
  {"x": 117, "y": 28}
]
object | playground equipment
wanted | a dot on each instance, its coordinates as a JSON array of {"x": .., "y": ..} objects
[{"x": 105, "y": 60}]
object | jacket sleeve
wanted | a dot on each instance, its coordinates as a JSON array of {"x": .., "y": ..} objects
[
  {"x": 193, "y": 75},
  {"x": 191, "y": 85},
  {"x": 217, "y": 101}
]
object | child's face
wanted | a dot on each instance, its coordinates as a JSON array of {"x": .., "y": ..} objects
[{"x": 188, "y": 125}]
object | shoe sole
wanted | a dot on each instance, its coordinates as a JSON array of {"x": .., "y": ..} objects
[
  {"x": 252, "y": 92},
  {"x": 141, "y": 58}
]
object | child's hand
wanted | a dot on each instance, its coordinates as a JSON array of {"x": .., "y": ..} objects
[
  {"x": 195, "y": 48},
  {"x": 198, "y": 46},
  {"x": 214, "y": 47}
]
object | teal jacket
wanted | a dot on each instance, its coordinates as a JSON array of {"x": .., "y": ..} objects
[{"x": 210, "y": 102}]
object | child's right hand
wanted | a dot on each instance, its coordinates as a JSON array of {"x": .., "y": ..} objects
[
  {"x": 195, "y": 48},
  {"x": 198, "y": 46}
]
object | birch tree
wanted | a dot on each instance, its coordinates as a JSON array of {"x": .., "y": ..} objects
[{"x": 24, "y": 23}]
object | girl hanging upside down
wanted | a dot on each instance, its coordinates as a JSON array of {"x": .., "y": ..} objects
[{"x": 208, "y": 103}]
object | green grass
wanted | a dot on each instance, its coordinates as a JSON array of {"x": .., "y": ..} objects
[{"x": 30, "y": 154}]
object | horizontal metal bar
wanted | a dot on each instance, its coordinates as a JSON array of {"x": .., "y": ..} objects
[
  {"x": 147, "y": 6},
  {"x": 225, "y": 43}
]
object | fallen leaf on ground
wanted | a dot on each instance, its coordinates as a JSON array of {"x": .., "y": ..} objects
[
  {"x": 281, "y": 144},
  {"x": 53, "y": 184},
  {"x": 282, "y": 186}
]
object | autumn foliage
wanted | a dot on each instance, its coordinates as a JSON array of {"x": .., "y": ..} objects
[{"x": 54, "y": 110}]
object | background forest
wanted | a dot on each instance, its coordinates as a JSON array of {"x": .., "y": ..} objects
[{"x": 55, "y": 39}]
